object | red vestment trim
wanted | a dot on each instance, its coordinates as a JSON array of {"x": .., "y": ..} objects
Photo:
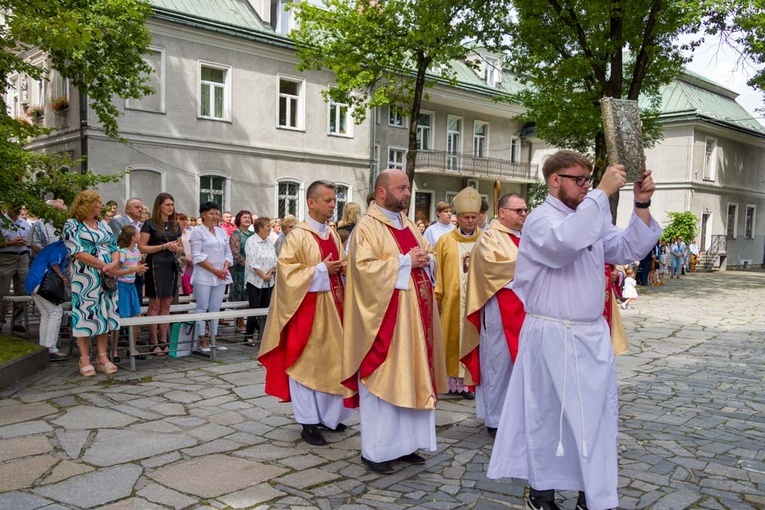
[
  {"x": 609, "y": 288},
  {"x": 378, "y": 352},
  {"x": 294, "y": 337},
  {"x": 512, "y": 313}
]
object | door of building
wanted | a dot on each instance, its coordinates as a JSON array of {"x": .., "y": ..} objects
[{"x": 423, "y": 201}]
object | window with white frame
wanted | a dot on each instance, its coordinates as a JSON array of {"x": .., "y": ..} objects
[
  {"x": 155, "y": 58},
  {"x": 281, "y": 16},
  {"x": 480, "y": 135},
  {"x": 12, "y": 97},
  {"x": 396, "y": 158},
  {"x": 395, "y": 117},
  {"x": 212, "y": 188},
  {"x": 710, "y": 159},
  {"x": 732, "y": 219},
  {"x": 291, "y": 103},
  {"x": 424, "y": 131},
  {"x": 288, "y": 198},
  {"x": 492, "y": 73},
  {"x": 751, "y": 210},
  {"x": 339, "y": 119},
  {"x": 340, "y": 201},
  {"x": 453, "y": 142},
  {"x": 515, "y": 149},
  {"x": 214, "y": 91}
]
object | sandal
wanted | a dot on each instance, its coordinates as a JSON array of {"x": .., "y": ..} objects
[
  {"x": 108, "y": 367},
  {"x": 158, "y": 351},
  {"x": 86, "y": 370}
]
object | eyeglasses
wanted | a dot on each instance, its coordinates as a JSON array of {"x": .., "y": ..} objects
[
  {"x": 518, "y": 211},
  {"x": 581, "y": 180}
]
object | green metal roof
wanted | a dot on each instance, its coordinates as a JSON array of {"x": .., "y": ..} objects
[
  {"x": 692, "y": 94},
  {"x": 234, "y": 13}
]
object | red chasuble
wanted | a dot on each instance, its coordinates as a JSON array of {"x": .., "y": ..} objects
[
  {"x": 512, "y": 313},
  {"x": 378, "y": 353},
  {"x": 296, "y": 332}
]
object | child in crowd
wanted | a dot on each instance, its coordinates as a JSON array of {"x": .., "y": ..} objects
[
  {"x": 663, "y": 264},
  {"x": 130, "y": 265},
  {"x": 629, "y": 292}
]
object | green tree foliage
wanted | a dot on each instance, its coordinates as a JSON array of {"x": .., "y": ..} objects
[
  {"x": 741, "y": 24},
  {"x": 570, "y": 54},
  {"x": 537, "y": 194},
  {"x": 96, "y": 44},
  {"x": 382, "y": 50},
  {"x": 680, "y": 224}
]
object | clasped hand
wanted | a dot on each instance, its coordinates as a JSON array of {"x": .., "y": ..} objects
[{"x": 420, "y": 258}]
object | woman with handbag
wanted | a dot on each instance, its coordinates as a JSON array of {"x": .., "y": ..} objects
[
  {"x": 46, "y": 282},
  {"x": 94, "y": 253},
  {"x": 160, "y": 242},
  {"x": 211, "y": 254}
]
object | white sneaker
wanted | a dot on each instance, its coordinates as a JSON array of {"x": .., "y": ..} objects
[
  {"x": 205, "y": 349},
  {"x": 221, "y": 347}
]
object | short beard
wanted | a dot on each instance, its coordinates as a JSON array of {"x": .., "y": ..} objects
[
  {"x": 392, "y": 204},
  {"x": 570, "y": 201}
]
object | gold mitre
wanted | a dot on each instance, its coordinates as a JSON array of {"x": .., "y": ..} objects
[{"x": 467, "y": 201}]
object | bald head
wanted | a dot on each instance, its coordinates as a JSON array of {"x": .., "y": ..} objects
[{"x": 392, "y": 190}]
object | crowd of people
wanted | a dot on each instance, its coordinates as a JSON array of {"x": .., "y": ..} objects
[{"x": 386, "y": 315}]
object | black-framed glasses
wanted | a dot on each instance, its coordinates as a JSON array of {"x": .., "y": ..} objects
[
  {"x": 581, "y": 180},
  {"x": 518, "y": 211}
]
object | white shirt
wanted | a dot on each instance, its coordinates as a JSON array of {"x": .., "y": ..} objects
[
  {"x": 436, "y": 230},
  {"x": 23, "y": 229},
  {"x": 260, "y": 254},
  {"x": 215, "y": 249}
]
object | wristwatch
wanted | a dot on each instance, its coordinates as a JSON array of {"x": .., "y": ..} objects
[{"x": 643, "y": 205}]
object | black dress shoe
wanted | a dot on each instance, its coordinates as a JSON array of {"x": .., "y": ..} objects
[
  {"x": 57, "y": 356},
  {"x": 312, "y": 435},
  {"x": 468, "y": 395},
  {"x": 412, "y": 458},
  {"x": 116, "y": 359},
  {"x": 492, "y": 431},
  {"x": 382, "y": 468},
  {"x": 341, "y": 427},
  {"x": 137, "y": 356},
  {"x": 19, "y": 329}
]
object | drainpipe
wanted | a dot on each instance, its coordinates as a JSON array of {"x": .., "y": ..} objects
[
  {"x": 372, "y": 137},
  {"x": 83, "y": 133}
]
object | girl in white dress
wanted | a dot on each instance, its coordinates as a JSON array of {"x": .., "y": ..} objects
[{"x": 629, "y": 292}]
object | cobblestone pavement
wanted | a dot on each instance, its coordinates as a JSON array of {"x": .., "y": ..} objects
[{"x": 189, "y": 433}]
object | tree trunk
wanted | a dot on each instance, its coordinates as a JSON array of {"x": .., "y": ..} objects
[{"x": 423, "y": 63}]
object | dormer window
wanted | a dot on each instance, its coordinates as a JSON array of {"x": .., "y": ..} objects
[{"x": 492, "y": 72}]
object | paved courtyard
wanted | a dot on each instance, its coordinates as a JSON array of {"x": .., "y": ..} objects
[{"x": 194, "y": 434}]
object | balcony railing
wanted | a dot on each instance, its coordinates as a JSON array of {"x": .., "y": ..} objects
[{"x": 472, "y": 166}]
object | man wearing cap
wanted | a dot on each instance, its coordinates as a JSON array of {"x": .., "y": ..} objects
[
  {"x": 494, "y": 313},
  {"x": 452, "y": 253},
  {"x": 393, "y": 360}
]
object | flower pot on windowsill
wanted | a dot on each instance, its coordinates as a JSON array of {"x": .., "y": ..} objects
[
  {"x": 60, "y": 104},
  {"x": 36, "y": 113}
]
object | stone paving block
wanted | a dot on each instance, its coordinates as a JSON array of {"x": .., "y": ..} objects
[
  {"x": 214, "y": 475},
  {"x": 66, "y": 469},
  {"x": 161, "y": 460},
  {"x": 118, "y": 446},
  {"x": 131, "y": 504},
  {"x": 16, "y": 413},
  {"x": 22, "y": 501},
  {"x": 215, "y": 446},
  {"x": 161, "y": 426},
  {"x": 210, "y": 431},
  {"x": 20, "y": 474},
  {"x": 72, "y": 442},
  {"x": 90, "y": 417},
  {"x": 164, "y": 496},
  {"x": 168, "y": 409},
  {"x": 27, "y": 428},
  {"x": 307, "y": 478},
  {"x": 95, "y": 488},
  {"x": 251, "y": 496},
  {"x": 137, "y": 412},
  {"x": 23, "y": 447}
]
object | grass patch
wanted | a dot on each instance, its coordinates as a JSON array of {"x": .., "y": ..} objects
[{"x": 12, "y": 348}]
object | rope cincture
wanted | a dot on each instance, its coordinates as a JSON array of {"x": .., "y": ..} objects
[{"x": 568, "y": 331}]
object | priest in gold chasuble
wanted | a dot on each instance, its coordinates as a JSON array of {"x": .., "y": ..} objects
[
  {"x": 452, "y": 254},
  {"x": 393, "y": 361},
  {"x": 301, "y": 346}
]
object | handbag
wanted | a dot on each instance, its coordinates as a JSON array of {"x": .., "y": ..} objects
[
  {"x": 188, "y": 288},
  {"x": 52, "y": 288},
  {"x": 108, "y": 283}
]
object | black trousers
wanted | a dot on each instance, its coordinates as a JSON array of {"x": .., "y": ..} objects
[{"x": 258, "y": 298}]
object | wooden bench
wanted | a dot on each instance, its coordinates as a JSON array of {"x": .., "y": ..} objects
[{"x": 188, "y": 317}]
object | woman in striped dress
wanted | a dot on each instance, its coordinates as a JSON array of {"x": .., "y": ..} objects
[{"x": 94, "y": 253}]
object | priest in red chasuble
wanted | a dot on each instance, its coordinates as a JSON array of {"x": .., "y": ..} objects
[
  {"x": 301, "y": 347},
  {"x": 452, "y": 253},
  {"x": 494, "y": 313},
  {"x": 393, "y": 361}
]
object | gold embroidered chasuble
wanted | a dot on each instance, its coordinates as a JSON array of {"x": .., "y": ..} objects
[
  {"x": 318, "y": 367},
  {"x": 404, "y": 377}
]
